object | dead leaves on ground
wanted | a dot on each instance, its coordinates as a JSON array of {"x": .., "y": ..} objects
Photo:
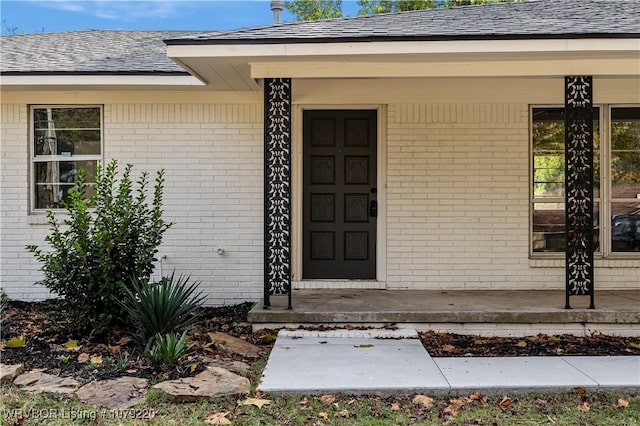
[
  {"x": 15, "y": 342},
  {"x": 328, "y": 399},
  {"x": 450, "y": 344},
  {"x": 329, "y": 408},
  {"x": 423, "y": 404},
  {"x": 217, "y": 419},
  {"x": 258, "y": 402},
  {"x": 621, "y": 403},
  {"x": 423, "y": 400}
]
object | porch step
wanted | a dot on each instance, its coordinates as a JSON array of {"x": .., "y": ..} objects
[{"x": 490, "y": 312}]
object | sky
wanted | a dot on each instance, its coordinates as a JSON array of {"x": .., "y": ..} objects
[{"x": 29, "y": 16}]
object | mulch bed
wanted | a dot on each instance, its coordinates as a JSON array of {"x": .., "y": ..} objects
[
  {"x": 43, "y": 323},
  {"x": 456, "y": 345},
  {"x": 43, "y": 326}
]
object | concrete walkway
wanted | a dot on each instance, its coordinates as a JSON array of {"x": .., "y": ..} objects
[{"x": 386, "y": 362}]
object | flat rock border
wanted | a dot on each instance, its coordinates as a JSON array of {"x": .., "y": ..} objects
[
  {"x": 9, "y": 372},
  {"x": 121, "y": 393},
  {"x": 213, "y": 381}
]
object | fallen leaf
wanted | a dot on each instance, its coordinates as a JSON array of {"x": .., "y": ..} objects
[
  {"x": 476, "y": 396},
  {"x": 456, "y": 403},
  {"x": 324, "y": 415},
  {"x": 123, "y": 340},
  {"x": 256, "y": 401},
  {"x": 343, "y": 413},
  {"x": 72, "y": 345},
  {"x": 114, "y": 349},
  {"x": 328, "y": 399},
  {"x": 584, "y": 407},
  {"x": 96, "y": 359},
  {"x": 217, "y": 419},
  {"x": 448, "y": 348},
  {"x": 635, "y": 345},
  {"x": 269, "y": 338},
  {"x": 423, "y": 400},
  {"x": 505, "y": 403},
  {"x": 364, "y": 345},
  {"x": 622, "y": 403},
  {"x": 449, "y": 410},
  {"x": 132, "y": 370},
  {"x": 480, "y": 342},
  {"x": 15, "y": 342},
  {"x": 395, "y": 407},
  {"x": 193, "y": 367},
  {"x": 580, "y": 390},
  {"x": 304, "y": 401},
  {"x": 83, "y": 357},
  {"x": 521, "y": 344}
]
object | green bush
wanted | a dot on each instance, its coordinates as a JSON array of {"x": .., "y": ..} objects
[
  {"x": 160, "y": 308},
  {"x": 166, "y": 350},
  {"x": 108, "y": 239}
]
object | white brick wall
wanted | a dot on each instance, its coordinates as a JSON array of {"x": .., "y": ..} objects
[
  {"x": 458, "y": 212},
  {"x": 212, "y": 154},
  {"x": 19, "y": 269},
  {"x": 457, "y": 194}
]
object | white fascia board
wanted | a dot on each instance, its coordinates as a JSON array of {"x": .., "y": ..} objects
[
  {"x": 400, "y": 47},
  {"x": 531, "y": 68},
  {"x": 100, "y": 80}
]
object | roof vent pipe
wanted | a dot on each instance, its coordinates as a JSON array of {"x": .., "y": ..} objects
[{"x": 277, "y": 7}]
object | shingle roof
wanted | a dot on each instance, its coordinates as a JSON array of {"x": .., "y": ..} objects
[
  {"x": 93, "y": 51},
  {"x": 526, "y": 19},
  {"x": 135, "y": 52}
]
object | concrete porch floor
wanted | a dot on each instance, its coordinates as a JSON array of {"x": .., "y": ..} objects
[{"x": 484, "y": 312}]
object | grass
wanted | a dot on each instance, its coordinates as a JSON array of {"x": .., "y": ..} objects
[{"x": 591, "y": 408}]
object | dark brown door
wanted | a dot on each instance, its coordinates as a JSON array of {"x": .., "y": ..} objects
[{"x": 340, "y": 203}]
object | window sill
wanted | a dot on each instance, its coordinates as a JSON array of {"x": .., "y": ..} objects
[
  {"x": 40, "y": 218},
  {"x": 613, "y": 261}
]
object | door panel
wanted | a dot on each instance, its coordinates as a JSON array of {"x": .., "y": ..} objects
[{"x": 339, "y": 213}]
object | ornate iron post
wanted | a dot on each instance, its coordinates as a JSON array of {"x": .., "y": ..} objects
[
  {"x": 579, "y": 177},
  {"x": 277, "y": 189}
]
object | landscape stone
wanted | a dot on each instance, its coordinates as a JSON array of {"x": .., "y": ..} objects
[
  {"x": 120, "y": 393},
  {"x": 237, "y": 367},
  {"x": 38, "y": 382},
  {"x": 234, "y": 345},
  {"x": 213, "y": 381},
  {"x": 10, "y": 372},
  {"x": 28, "y": 378}
]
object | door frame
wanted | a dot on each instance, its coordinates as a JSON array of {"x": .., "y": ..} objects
[{"x": 297, "y": 188}]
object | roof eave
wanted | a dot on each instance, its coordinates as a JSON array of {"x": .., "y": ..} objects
[
  {"x": 417, "y": 38},
  {"x": 92, "y": 79}
]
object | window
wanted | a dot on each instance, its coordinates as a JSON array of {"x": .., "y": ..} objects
[
  {"x": 64, "y": 140},
  {"x": 616, "y": 179},
  {"x": 625, "y": 179}
]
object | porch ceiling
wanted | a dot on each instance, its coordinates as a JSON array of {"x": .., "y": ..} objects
[{"x": 239, "y": 67}]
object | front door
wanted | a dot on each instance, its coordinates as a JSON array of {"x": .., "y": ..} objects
[{"x": 340, "y": 203}]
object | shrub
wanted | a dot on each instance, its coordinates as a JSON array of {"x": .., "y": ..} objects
[
  {"x": 4, "y": 303},
  {"x": 166, "y": 350},
  {"x": 109, "y": 238},
  {"x": 164, "y": 307}
]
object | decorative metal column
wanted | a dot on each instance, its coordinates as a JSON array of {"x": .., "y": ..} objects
[
  {"x": 277, "y": 189},
  {"x": 578, "y": 165}
]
